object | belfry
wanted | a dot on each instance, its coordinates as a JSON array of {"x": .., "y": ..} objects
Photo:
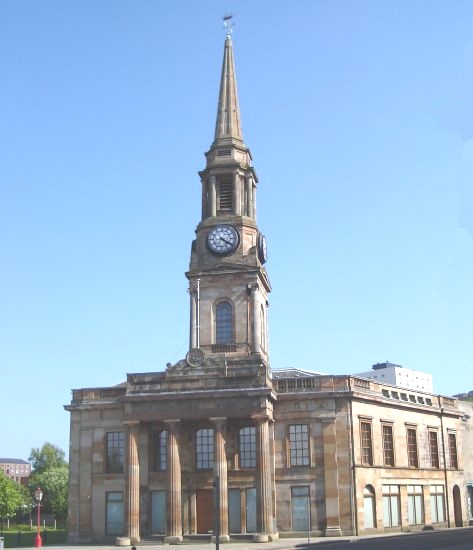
[{"x": 218, "y": 444}]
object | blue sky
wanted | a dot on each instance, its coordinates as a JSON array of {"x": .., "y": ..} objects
[{"x": 359, "y": 116}]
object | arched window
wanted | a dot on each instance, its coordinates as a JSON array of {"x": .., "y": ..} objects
[
  {"x": 369, "y": 505},
  {"x": 224, "y": 323}
]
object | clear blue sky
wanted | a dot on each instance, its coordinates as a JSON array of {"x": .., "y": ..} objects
[{"x": 359, "y": 115}]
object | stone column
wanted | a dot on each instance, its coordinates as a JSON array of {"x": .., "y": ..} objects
[
  {"x": 253, "y": 194},
  {"x": 264, "y": 493},
  {"x": 220, "y": 469},
  {"x": 174, "y": 507},
  {"x": 132, "y": 503},
  {"x": 332, "y": 504},
  {"x": 249, "y": 197},
  {"x": 255, "y": 312},
  {"x": 213, "y": 196},
  {"x": 237, "y": 188}
]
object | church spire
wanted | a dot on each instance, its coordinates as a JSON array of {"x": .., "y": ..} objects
[{"x": 228, "y": 125}]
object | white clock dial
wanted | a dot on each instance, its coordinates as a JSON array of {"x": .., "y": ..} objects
[{"x": 223, "y": 239}]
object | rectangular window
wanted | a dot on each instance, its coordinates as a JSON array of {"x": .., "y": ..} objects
[
  {"x": 437, "y": 503},
  {"x": 366, "y": 443},
  {"x": 300, "y": 508},
  {"x": 391, "y": 505},
  {"x": 160, "y": 444},
  {"x": 114, "y": 513},
  {"x": 415, "y": 504},
  {"x": 299, "y": 445},
  {"x": 412, "y": 456},
  {"x": 248, "y": 447},
  {"x": 205, "y": 449},
  {"x": 452, "y": 445},
  {"x": 434, "y": 450},
  {"x": 115, "y": 460},
  {"x": 388, "y": 445},
  {"x": 225, "y": 195}
]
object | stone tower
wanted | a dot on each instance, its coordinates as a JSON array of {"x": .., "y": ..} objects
[{"x": 228, "y": 283}]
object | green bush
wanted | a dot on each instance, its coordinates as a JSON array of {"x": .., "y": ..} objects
[{"x": 15, "y": 539}]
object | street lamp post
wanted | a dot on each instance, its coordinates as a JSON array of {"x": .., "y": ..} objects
[{"x": 38, "y": 495}]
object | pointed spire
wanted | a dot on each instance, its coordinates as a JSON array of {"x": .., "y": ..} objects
[{"x": 228, "y": 126}]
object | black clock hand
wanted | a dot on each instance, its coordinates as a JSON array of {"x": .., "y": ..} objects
[{"x": 225, "y": 240}]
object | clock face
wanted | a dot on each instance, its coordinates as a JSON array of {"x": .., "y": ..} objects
[
  {"x": 262, "y": 249},
  {"x": 223, "y": 239}
]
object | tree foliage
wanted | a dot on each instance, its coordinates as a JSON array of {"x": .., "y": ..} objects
[
  {"x": 12, "y": 497},
  {"x": 49, "y": 456},
  {"x": 51, "y": 473}
]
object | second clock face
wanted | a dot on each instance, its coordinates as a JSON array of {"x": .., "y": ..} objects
[{"x": 223, "y": 239}]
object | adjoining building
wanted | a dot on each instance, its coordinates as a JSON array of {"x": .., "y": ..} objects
[
  {"x": 17, "y": 469},
  {"x": 220, "y": 433}
]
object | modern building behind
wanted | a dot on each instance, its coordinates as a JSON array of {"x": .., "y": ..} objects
[
  {"x": 282, "y": 452},
  {"x": 17, "y": 469},
  {"x": 389, "y": 373}
]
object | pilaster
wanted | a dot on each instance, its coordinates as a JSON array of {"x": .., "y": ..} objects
[{"x": 332, "y": 504}]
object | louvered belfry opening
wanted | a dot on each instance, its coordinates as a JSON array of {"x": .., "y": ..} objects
[{"x": 225, "y": 195}]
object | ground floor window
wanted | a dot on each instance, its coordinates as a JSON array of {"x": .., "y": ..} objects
[
  {"x": 369, "y": 506},
  {"x": 415, "y": 504},
  {"x": 300, "y": 508},
  {"x": 251, "y": 510},
  {"x": 114, "y": 513},
  {"x": 158, "y": 512},
  {"x": 391, "y": 506},
  {"x": 234, "y": 511},
  {"x": 437, "y": 503},
  {"x": 470, "y": 501}
]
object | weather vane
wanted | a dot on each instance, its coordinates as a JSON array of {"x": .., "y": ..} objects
[{"x": 228, "y": 23}]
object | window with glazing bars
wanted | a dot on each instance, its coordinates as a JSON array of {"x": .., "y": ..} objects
[
  {"x": 224, "y": 323},
  {"x": 434, "y": 450},
  {"x": 412, "y": 455},
  {"x": 299, "y": 445},
  {"x": 366, "y": 443},
  {"x": 388, "y": 445},
  {"x": 452, "y": 444},
  {"x": 160, "y": 444},
  {"x": 248, "y": 447},
  {"x": 205, "y": 448},
  {"x": 115, "y": 449}
]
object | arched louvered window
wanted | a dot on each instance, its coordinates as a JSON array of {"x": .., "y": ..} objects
[{"x": 224, "y": 323}]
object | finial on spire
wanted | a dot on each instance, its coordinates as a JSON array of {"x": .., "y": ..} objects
[{"x": 227, "y": 23}]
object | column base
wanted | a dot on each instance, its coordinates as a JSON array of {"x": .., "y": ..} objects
[
  {"x": 122, "y": 541},
  {"x": 173, "y": 540},
  {"x": 260, "y": 537},
  {"x": 273, "y": 536},
  {"x": 221, "y": 538},
  {"x": 333, "y": 531}
]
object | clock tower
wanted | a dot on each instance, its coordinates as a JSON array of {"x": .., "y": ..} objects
[{"x": 228, "y": 284}]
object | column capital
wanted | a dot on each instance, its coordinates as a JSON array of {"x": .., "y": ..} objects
[
  {"x": 219, "y": 421},
  {"x": 131, "y": 423},
  {"x": 260, "y": 418},
  {"x": 172, "y": 423}
]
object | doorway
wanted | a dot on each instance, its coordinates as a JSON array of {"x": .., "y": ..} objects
[{"x": 205, "y": 511}]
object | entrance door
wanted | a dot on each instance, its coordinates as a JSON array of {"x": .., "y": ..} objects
[
  {"x": 457, "y": 507},
  {"x": 158, "y": 512},
  {"x": 205, "y": 511}
]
